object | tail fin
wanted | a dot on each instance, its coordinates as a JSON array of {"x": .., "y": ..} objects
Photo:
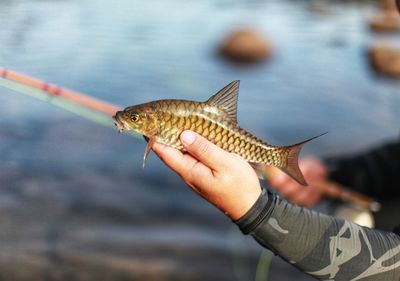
[{"x": 292, "y": 169}]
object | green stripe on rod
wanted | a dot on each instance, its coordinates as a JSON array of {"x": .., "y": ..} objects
[{"x": 82, "y": 111}]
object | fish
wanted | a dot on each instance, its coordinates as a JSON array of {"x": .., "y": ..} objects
[{"x": 215, "y": 119}]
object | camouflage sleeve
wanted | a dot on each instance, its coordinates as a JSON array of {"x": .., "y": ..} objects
[{"x": 322, "y": 246}]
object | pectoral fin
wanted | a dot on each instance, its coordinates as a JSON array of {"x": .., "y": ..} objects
[{"x": 150, "y": 142}]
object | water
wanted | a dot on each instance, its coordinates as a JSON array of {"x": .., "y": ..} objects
[{"x": 58, "y": 170}]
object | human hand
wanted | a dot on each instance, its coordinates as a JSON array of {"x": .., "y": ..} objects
[
  {"x": 224, "y": 179},
  {"x": 314, "y": 171}
]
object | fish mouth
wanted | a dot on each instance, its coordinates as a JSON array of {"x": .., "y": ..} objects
[{"x": 120, "y": 123}]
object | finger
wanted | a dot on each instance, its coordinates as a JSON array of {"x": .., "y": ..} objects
[
  {"x": 206, "y": 152},
  {"x": 173, "y": 158},
  {"x": 189, "y": 168}
]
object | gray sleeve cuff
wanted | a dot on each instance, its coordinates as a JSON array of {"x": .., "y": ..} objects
[{"x": 260, "y": 211}]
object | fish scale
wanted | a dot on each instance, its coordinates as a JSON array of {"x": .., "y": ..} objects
[
  {"x": 216, "y": 119},
  {"x": 183, "y": 115}
]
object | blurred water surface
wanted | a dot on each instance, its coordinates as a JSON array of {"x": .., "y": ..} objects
[{"x": 60, "y": 173}]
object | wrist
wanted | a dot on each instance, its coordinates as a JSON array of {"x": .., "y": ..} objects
[{"x": 242, "y": 204}]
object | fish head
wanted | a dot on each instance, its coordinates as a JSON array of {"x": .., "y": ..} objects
[{"x": 138, "y": 118}]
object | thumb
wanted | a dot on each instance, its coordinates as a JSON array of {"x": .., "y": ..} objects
[{"x": 203, "y": 150}]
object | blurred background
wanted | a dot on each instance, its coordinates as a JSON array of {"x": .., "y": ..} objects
[{"x": 75, "y": 203}]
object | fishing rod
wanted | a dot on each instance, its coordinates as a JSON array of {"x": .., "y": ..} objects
[
  {"x": 83, "y": 105},
  {"x": 100, "y": 112}
]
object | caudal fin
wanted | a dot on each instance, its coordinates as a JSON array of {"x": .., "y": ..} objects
[{"x": 292, "y": 169}]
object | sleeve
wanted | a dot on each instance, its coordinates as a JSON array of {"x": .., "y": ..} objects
[
  {"x": 322, "y": 246},
  {"x": 374, "y": 173}
]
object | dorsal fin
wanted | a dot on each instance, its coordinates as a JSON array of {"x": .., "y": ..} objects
[{"x": 226, "y": 99}]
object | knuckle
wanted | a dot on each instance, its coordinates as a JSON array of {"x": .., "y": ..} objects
[{"x": 189, "y": 176}]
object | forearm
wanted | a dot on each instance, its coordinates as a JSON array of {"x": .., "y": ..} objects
[{"x": 322, "y": 246}]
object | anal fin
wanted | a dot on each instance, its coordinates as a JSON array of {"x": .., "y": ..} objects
[{"x": 150, "y": 142}]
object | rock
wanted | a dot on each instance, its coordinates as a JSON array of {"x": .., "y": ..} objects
[
  {"x": 245, "y": 46},
  {"x": 388, "y": 19},
  {"x": 385, "y": 60},
  {"x": 320, "y": 8},
  {"x": 389, "y": 5}
]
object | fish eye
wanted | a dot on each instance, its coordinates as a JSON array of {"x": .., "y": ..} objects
[{"x": 135, "y": 117}]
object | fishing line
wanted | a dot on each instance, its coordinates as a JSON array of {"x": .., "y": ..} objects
[{"x": 64, "y": 104}]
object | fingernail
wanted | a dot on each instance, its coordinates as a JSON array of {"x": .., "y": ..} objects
[{"x": 188, "y": 137}]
